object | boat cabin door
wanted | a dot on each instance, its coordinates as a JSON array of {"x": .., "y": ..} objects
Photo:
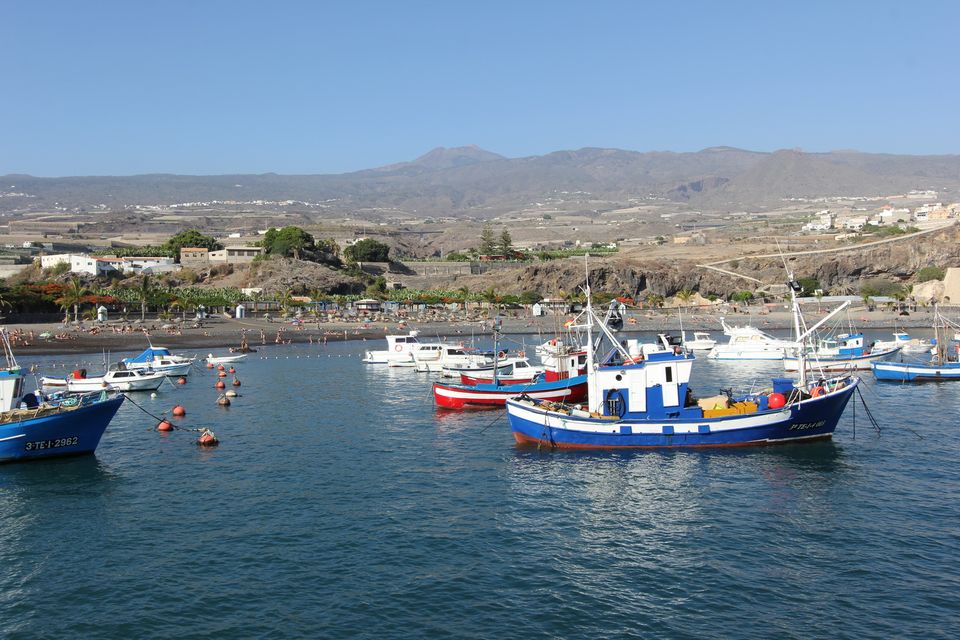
[{"x": 670, "y": 387}]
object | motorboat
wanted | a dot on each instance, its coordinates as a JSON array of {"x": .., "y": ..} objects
[
  {"x": 434, "y": 357},
  {"x": 121, "y": 379},
  {"x": 160, "y": 359},
  {"x": 749, "y": 343},
  {"x": 903, "y": 341},
  {"x": 701, "y": 341},
  {"x": 212, "y": 359},
  {"x": 399, "y": 349}
]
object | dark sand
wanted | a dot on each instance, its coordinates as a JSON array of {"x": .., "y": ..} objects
[{"x": 220, "y": 333}]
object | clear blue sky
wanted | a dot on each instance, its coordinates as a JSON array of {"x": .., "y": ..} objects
[{"x": 93, "y": 88}]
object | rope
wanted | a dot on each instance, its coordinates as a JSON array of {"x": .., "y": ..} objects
[{"x": 162, "y": 419}]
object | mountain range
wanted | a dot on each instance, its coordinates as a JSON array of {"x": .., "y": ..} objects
[{"x": 470, "y": 181}]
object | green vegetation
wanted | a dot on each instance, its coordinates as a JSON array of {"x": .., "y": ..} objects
[
  {"x": 367, "y": 251},
  {"x": 488, "y": 244},
  {"x": 137, "y": 252},
  {"x": 288, "y": 242},
  {"x": 881, "y": 287},
  {"x": 931, "y": 273},
  {"x": 189, "y": 238},
  {"x": 809, "y": 286},
  {"x": 887, "y": 232},
  {"x": 742, "y": 296}
]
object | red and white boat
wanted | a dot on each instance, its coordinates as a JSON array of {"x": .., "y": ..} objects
[{"x": 461, "y": 396}]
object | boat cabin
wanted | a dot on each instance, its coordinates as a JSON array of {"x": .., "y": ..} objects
[{"x": 654, "y": 384}]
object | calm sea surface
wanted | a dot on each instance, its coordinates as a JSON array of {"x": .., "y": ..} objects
[{"x": 341, "y": 503}]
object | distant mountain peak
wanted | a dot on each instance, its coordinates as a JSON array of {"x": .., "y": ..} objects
[{"x": 445, "y": 158}]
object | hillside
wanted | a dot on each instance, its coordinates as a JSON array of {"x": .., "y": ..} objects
[{"x": 472, "y": 181}]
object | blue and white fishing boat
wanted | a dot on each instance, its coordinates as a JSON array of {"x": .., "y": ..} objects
[
  {"x": 160, "y": 359},
  {"x": 942, "y": 366},
  {"x": 32, "y": 427},
  {"x": 646, "y": 401},
  {"x": 843, "y": 352}
]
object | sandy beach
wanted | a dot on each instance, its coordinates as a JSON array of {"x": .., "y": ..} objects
[{"x": 220, "y": 333}]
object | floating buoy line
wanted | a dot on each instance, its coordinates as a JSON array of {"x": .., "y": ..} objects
[{"x": 207, "y": 437}]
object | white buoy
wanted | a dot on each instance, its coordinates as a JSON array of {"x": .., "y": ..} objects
[{"x": 153, "y": 395}]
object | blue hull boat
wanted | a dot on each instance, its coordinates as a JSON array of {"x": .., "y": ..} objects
[
  {"x": 639, "y": 396},
  {"x": 73, "y": 427},
  {"x": 916, "y": 372},
  {"x": 32, "y": 426}
]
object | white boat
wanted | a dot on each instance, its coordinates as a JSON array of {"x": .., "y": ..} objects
[
  {"x": 845, "y": 352},
  {"x": 903, "y": 341},
  {"x": 224, "y": 359},
  {"x": 115, "y": 378},
  {"x": 520, "y": 365},
  {"x": 701, "y": 341},
  {"x": 749, "y": 343},
  {"x": 160, "y": 359},
  {"x": 432, "y": 358},
  {"x": 399, "y": 350}
]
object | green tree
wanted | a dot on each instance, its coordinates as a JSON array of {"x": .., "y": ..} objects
[
  {"x": 506, "y": 242},
  {"x": 190, "y": 238},
  {"x": 742, "y": 296},
  {"x": 72, "y": 296},
  {"x": 488, "y": 245},
  {"x": 367, "y": 250},
  {"x": 144, "y": 294},
  {"x": 808, "y": 286},
  {"x": 288, "y": 241}
]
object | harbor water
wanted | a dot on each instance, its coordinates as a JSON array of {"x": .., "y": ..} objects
[{"x": 342, "y": 504}]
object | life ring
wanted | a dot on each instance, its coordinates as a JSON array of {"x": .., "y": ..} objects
[
  {"x": 501, "y": 355},
  {"x": 522, "y": 354},
  {"x": 398, "y": 348},
  {"x": 816, "y": 392}
]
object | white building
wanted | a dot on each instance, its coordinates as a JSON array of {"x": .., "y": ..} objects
[
  {"x": 104, "y": 265},
  {"x": 824, "y": 222},
  {"x": 854, "y": 224}
]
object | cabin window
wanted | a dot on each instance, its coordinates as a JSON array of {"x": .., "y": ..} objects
[{"x": 669, "y": 373}]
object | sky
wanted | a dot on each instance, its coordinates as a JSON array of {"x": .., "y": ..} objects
[{"x": 217, "y": 87}]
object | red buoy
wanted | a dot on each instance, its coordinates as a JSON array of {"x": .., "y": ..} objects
[
  {"x": 236, "y": 382},
  {"x": 209, "y": 365},
  {"x": 220, "y": 385},
  {"x": 207, "y": 439},
  {"x": 182, "y": 380},
  {"x": 164, "y": 426},
  {"x": 220, "y": 367},
  {"x": 232, "y": 370},
  {"x": 222, "y": 374},
  {"x": 179, "y": 410},
  {"x": 776, "y": 400}
]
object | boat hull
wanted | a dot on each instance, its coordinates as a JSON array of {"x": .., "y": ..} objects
[
  {"x": 85, "y": 385},
  {"x": 170, "y": 370},
  {"x": 226, "y": 359},
  {"x": 853, "y": 363},
  {"x": 905, "y": 372},
  {"x": 69, "y": 433},
  {"x": 454, "y": 396},
  {"x": 811, "y": 419},
  {"x": 746, "y": 354}
]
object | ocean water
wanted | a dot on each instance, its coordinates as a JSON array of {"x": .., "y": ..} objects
[{"x": 342, "y": 504}]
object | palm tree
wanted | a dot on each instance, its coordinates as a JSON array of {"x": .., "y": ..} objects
[
  {"x": 144, "y": 293},
  {"x": 72, "y": 296},
  {"x": 684, "y": 296}
]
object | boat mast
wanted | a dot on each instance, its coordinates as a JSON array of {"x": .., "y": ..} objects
[
  {"x": 591, "y": 376},
  {"x": 800, "y": 337},
  {"x": 496, "y": 348}
]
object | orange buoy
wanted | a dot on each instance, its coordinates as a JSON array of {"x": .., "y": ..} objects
[
  {"x": 207, "y": 439},
  {"x": 220, "y": 367},
  {"x": 223, "y": 401},
  {"x": 816, "y": 392},
  {"x": 182, "y": 380},
  {"x": 222, "y": 374},
  {"x": 236, "y": 382},
  {"x": 232, "y": 370},
  {"x": 179, "y": 410},
  {"x": 164, "y": 426},
  {"x": 220, "y": 385},
  {"x": 209, "y": 365},
  {"x": 776, "y": 400}
]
